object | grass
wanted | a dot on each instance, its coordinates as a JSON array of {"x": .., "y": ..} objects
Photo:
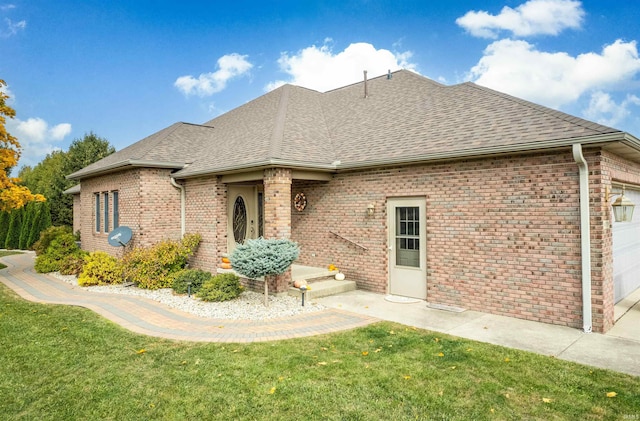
[
  {"x": 60, "y": 362},
  {"x": 7, "y": 253}
]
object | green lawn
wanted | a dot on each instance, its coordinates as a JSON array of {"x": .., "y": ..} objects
[{"x": 65, "y": 363}]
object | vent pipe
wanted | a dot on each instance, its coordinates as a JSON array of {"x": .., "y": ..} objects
[
  {"x": 366, "y": 91},
  {"x": 388, "y": 74}
]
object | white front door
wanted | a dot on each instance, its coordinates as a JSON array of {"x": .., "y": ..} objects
[
  {"x": 242, "y": 213},
  {"x": 407, "y": 247}
]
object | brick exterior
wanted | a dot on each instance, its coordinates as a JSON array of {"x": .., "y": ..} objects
[
  {"x": 277, "y": 216},
  {"x": 77, "y": 218},
  {"x": 148, "y": 204},
  {"x": 503, "y": 233}
]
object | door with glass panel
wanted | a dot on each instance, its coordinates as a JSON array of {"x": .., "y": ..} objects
[
  {"x": 244, "y": 213},
  {"x": 407, "y": 247}
]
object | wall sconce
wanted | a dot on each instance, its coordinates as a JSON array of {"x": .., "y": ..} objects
[
  {"x": 622, "y": 207},
  {"x": 370, "y": 209}
]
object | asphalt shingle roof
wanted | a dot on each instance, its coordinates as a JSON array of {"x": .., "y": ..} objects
[{"x": 404, "y": 117}]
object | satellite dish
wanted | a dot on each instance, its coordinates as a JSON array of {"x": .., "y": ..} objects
[{"x": 120, "y": 236}]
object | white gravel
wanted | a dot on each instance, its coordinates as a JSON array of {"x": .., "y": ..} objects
[{"x": 248, "y": 306}]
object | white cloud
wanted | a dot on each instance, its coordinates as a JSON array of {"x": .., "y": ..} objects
[
  {"x": 604, "y": 110},
  {"x": 207, "y": 84},
  {"x": 12, "y": 28},
  {"x": 320, "y": 69},
  {"x": 554, "y": 79},
  {"x": 60, "y": 131},
  {"x": 36, "y": 137},
  {"x": 535, "y": 17}
]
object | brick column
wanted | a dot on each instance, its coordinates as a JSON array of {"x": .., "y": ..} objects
[{"x": 277, "y": 215}]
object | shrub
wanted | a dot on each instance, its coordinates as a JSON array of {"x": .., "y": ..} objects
[
  {"x": 60, "y": 247},
  {"x": 73, "y": 263},
  {"x": 196, "y": 276},
  {"x": 222, "y": 287},
  {"x": 100, "y": 268},
  {"x": 47, "y": 236},
  {"x": 261, "y": 257},
  {"x": 155, "y": 267}
]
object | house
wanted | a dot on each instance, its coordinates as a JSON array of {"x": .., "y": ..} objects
[{"x": 459, "y": 195}]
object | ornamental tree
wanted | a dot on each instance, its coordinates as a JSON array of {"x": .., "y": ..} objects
[
  {"x": 260, "y": 257},
  {"x": 12, "y": 195}
]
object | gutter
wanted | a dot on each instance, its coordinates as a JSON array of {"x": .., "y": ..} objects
[
  {"x": 116, "y": 166},
  {"x": 183, "y": 209},
  {"x": 585, "y": 237}
]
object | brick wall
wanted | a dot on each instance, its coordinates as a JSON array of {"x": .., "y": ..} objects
[
  {"x": 77, "y": 216},
  {"x": 277, "y": 215},
  {"x": 206, "y": 215},
  {"x": 502, "y": 233},
  {"x": 148, "y": 204}
]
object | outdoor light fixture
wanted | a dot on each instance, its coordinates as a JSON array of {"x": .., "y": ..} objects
[
  {"x": 622, "y": 207},
  {"x": 370, "y": 209}
]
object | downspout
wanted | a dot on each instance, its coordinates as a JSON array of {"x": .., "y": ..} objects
[
  {"x": 183, "y": 210},
  {"x": 585, "y": 237}
]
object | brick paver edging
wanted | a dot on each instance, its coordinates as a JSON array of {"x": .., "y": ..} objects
[{"x": 152, "y": 318}]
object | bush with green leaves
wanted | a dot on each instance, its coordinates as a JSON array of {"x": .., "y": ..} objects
[
  {"x": 222, "y": 287},
  {"x": 155, "y": 267},
  {"x": 100, "y": 268},
  {"x": 60, "y": 247},
  {"x": 261, "y": 257},
  {"x": 73, "y": 264},
  {"x": 193, "y": 277},
  {"x": 47, "y": 236}
]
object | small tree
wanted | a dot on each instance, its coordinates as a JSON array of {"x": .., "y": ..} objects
[
  {"x": 13, "y": 235},
  {"x": 260, "y": 257}
]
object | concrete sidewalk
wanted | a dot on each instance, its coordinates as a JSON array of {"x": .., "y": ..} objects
[{"x": 617, "y": 350}]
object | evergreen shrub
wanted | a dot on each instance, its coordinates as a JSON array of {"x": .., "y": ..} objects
[
  {"x": 47, "y": 236},
  {"x": 261, "y": 257},
  {"x": 59, "y": 248},
  {"x": 195, "y": 276},
  {"x": 222, "y": 287}
]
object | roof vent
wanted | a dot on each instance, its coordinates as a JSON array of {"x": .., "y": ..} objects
[
  {"x": 366, "y": 91},
  {"x": 388, "y": 74}
]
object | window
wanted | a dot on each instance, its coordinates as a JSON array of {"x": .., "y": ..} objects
[
  {"x": 116, "y": 211},
  {"x": 106, "y": 212},
  {"x": 97, "y": 198}
]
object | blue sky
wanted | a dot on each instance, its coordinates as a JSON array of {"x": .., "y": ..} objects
[{"x": 126, "y": 69}]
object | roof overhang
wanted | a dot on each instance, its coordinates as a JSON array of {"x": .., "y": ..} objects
[
  {"x": 122, "y": 165},
  {"x": 620, "y": 143}
]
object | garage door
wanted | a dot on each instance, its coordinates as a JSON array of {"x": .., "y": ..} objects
[{"x": 626, "y": 251}]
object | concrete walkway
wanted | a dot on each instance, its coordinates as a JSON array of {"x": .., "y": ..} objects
[{"x": 617, "y": 350}]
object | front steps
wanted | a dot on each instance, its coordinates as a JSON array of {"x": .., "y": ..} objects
[
  {"x": 321, "y": 282},
  {"x": 324, "y": 288}
]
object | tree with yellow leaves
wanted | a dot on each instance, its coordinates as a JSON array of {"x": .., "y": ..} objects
[{"x": 12, "y": 195}]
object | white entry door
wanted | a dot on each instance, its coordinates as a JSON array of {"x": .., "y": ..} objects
[
  {"x": 243, "y": 215},
  {"x": 407, "y": 247}
]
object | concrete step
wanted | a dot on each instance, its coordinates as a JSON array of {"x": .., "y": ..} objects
[{"x": 324, "y": 288}]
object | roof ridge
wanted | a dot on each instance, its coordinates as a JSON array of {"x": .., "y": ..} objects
[{"x": 560, "y": 115}]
